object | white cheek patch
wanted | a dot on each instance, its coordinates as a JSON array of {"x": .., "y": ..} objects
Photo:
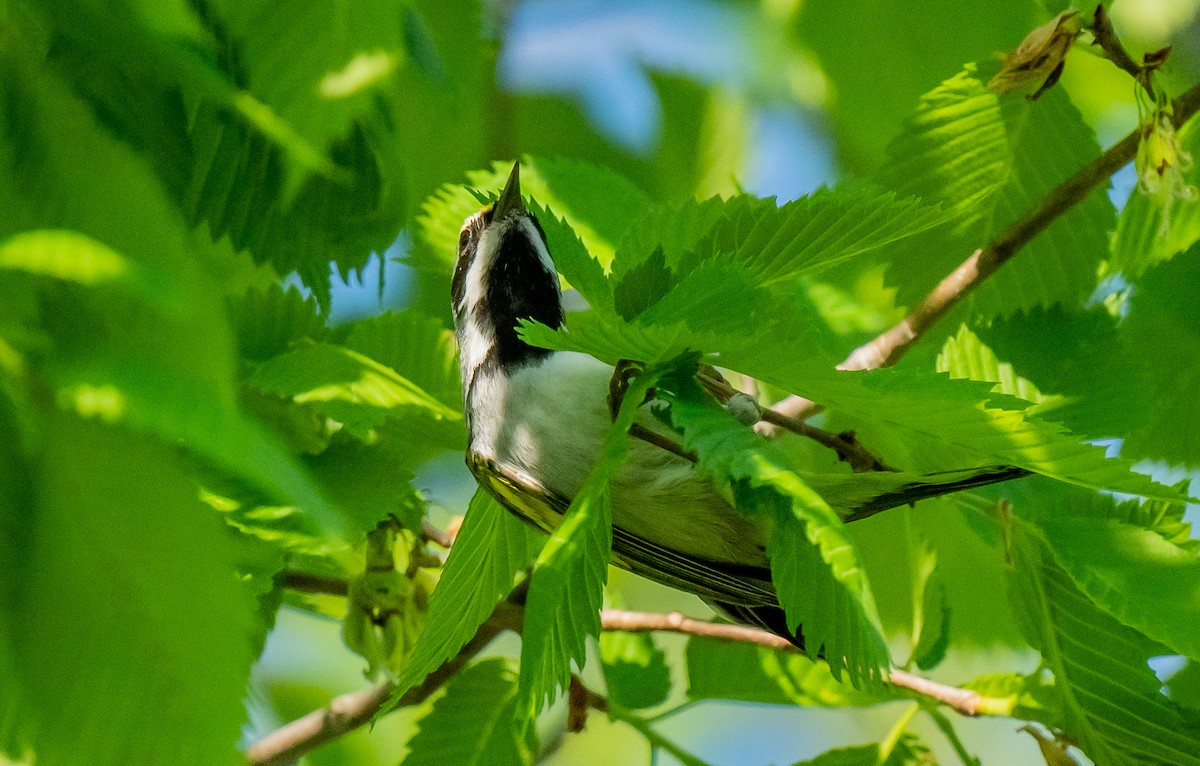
[{"x": 475, "y": 339}]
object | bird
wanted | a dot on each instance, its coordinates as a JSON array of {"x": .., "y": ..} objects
[{"x": 536, "y": 420}]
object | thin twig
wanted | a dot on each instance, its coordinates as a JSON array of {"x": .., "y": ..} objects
[
  {"x": 845, "y": 445},
  {"x": 1106, "y": 38},
  {"x": 434, "y": 535},
  {"x": 640, "y": 431},
  {"x": 304, "y": 582},
  {"x": 964, "y": 701}
]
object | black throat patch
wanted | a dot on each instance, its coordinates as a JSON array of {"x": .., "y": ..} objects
[{"x": 518, "y": 287}]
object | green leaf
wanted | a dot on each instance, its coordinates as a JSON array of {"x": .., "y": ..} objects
[
  {"x": 906, "y": 750},
  {"x": 857, "y": 755},
  {"x": 66, "y": 255},
  {"x": 931, "y": 612},
  {"x": 1163, "y": 328},
  {"x": 415, "y": 346},
  {"x": 181, "y": 412},
  {"x": 676, "y": 229},
  {"x": 915, "y": 420},
  {"x": 1032, "y": 697},
  {"x": 1133, "y": 574},
  {"x": 600, "y": 203},
  {"x": 1113, "y": 703},
  {"x": 235, "y": 188},
  {"x": 635, "y": 669},
  {"x": 775, "y": 244},
  {"x": 857, "y": 40},
  {"x": 490, "y": 549},
  {"x": 268, "y": 322},
  {"x": 642, "y": 286},
  {"x": 988, "y": 159},
  {"x": 118, "y": 556},
  {"x": 320, "y": 93},
  {"x": 571, "y": 258},
  {"x": 475, "y": 723},
  {"x": 352, "y": 388},
  {"x": 561, "y": 186},
  {"x": 1184, "y": 687},
  {"x": 369, "y": 483},
  {"x": 1101, "y": 366},
  {"x": 964, "y": 355},
  {"x": 814, "y": 564},
  {"x": 738, "y": 671},
  {"x": 1150, "y": 230},
  {"x": 566, "y": 592},
  {"x": 592, "y": 332},
  {"x": 815, "y": 232}
]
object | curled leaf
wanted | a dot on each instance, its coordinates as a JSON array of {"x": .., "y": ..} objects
[{"x": 1038, "y": 60}]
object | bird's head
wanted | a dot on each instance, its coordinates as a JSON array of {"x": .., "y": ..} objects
[{"x": 503, "y": 274}]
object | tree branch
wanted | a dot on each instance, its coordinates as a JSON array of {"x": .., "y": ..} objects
[
  {"x": 349, "y": 711},
  {"x": 888, "y": 348},
  {"x": 847, "y": 447},
  {"x": 964, "y": 701}
]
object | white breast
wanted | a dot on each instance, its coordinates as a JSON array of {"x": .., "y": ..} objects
[{"x": 549, "y": 421}]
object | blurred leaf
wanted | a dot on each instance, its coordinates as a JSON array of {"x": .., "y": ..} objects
[
  {"x": 323, "y": 91},
  {"x": 931, "y": 612},
  {"x": 236, "y": 187},
  {"x": 352, "y": 388},
  {"x": 879, "y": 59},
  {"x": 858, "y": 755},
  {"x": 119, "y": 557},
  {"x": 415, "y": 346},
  {"x": 907, "y": 750},
  {"x": 476, "y": 722},
  {"x": 739, "y": 671},
  {"x": 1033, "y": 697},
  {"x": 1164, "y": 328},
  {"x": 269, "y": 321},
  {"x": 369, "y": 483},
  {"x": 635, "y": 669}
]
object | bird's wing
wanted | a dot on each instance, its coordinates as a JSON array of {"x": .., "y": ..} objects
[
  {"x": 856, "y": 495},
  {"x": 711, "y": 580}
]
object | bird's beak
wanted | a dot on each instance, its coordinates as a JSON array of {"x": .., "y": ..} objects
[{"x": 510, "y": 199}]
